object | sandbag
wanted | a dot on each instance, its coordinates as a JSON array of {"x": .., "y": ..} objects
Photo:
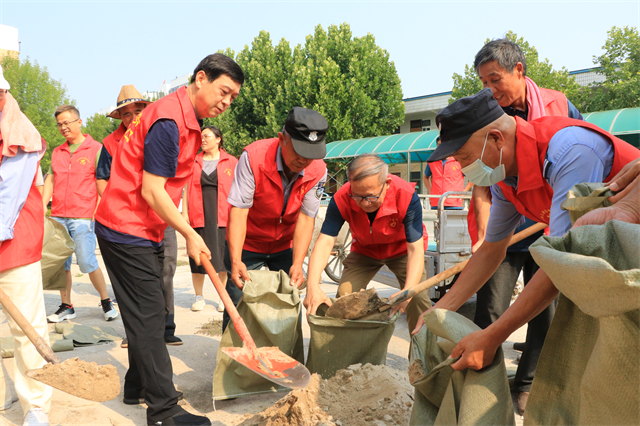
[
  {"x": 444, "y": 396},
  {"x": 57, "y": 246},
  {"x": 57, "y": 342},
  {"x": 84, "y": 335},
  {"x": 335, "y": 343},
  {"x": 270, "y": 307},
  {"x": 584, "y": 197},
  {"x": 589, "y": 368}
]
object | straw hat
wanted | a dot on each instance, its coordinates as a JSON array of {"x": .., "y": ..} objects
[{"x": 128, "y": 95}]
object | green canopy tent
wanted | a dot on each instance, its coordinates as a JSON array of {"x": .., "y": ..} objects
[{"x": 623, "y": 123}]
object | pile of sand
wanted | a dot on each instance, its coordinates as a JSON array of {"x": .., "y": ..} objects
[{"x": 357, "y": 396}]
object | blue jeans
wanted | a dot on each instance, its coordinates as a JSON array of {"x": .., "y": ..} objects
[{"x": 82, "y": 232}]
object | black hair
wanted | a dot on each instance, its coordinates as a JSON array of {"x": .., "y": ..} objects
[
  {"x": 216, "y": 65},
  {"x": 216, "y": 132},
  {"x": 503, "y": 51}
]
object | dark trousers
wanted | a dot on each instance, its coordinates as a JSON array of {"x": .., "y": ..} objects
[
  {"x": 136, "y": 277},
  {"x": 168, "y": 271},
  {"x": 494, "y": 298},
  {"x": 274, "y": 261}
]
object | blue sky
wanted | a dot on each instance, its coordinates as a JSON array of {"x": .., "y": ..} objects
[{"x": 95, "y": 47}]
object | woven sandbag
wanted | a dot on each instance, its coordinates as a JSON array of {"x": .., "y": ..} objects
[
  {"x": 270, "y": 307},
  {"x": 444, "y": 396},
  {"x": 57, "y": 246},
  {"x": 589, "y": 368}
]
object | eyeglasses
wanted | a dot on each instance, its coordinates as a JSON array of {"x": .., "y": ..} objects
[
  {"x": 358, "y": 198},
  {"x": 66, "y": 123}
]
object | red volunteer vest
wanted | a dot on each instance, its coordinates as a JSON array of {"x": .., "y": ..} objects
[
  {"x": 555, "y": 104},
  {"x": 268, "y": 231},
  {"x": 534, "y": 194},
  {"x": 444, "y": 179},
  {"x": 123, "y": 208},
  {"x": 26, "y": 246},
  {"x": 110, "y": 141},
  {"x": 385, "y": 238},
  {"x": 226, "y": 169},
  {"x": 74, "y": 184}
]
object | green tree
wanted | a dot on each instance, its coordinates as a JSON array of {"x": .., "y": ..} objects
[
  {"x": 349, "y": 80},
  {"x": 541, "y": 72},
  {"x": 38, "y": 95},
  {"x": 620, "y": 64},
  {"x": 99, "y": 126}
]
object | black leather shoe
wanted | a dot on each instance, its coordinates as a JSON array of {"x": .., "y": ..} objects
[
  {"x": 183, "y": 418},
  {"x": 132, "y": 400},
  {"x": 173, "y": 340}
]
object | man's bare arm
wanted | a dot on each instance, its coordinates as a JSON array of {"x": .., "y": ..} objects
[
  {"x": 301, "y": 239},
  {"x": 236, "y": 233}
]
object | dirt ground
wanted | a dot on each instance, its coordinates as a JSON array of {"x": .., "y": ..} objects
[{"x": 193, "y": 362}]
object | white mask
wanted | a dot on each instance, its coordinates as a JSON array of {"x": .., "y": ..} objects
[{"x": 482, "y": 175}]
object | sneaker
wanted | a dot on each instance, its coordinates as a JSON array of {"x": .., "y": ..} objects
[
  {"x": 64, "y": 312},
  {"x": 125, "y": 343},
  {"x": 198, "y": 305},
  {"x": 110, "y": 312},
  {"x": 9, "y": 403},
  {"x": 220, "y": 307},
  {"x": 37, "y": 417},
  {"x": 173, "y": 340},
  {"x": 132, "y": 400},
  {"x": 183, "y": 417}
]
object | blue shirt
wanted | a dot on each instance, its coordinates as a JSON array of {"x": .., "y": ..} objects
[
  {"x": 412, "y": 221},
  {"x": 576, "y": 155}
]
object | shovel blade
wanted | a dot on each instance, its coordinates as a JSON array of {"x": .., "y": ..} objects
[
  {"x": 272, "y": 364},
  {"x": 80, "y": 378},
  {"x": 355, "y": 305}
]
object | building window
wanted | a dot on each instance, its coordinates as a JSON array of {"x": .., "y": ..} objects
[
  {"x": 395, "y": 132},
  {"x": 426, "y": 123},
  {"x": 416, "y": 125}
]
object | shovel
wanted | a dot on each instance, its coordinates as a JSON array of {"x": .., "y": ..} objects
[
  {"x": 357, "y": 305},
  {"x": 269, "y": 362},
  {"x": 79, "y": 378}
]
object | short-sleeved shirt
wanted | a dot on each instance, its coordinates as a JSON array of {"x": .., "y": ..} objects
[
  {"x": 412, "y": 221},
  {"x": 161, "y": 151},
  {"x": 576, "y": 155},
  {"x": 244, "y": 186}
]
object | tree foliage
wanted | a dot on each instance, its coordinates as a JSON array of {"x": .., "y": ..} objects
[
  {"x": 99, "y": 126},
  {"x": 349, "y": 80},
  {"x": 38, "y": 95},
  {"x": 620, "y": 64},
  {"x": 541, "y": 72}
]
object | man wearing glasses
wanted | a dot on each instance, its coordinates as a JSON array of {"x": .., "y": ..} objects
[
  {"x": 274, "y": 199},
  {"x": 385, "y": 217},
  {"x": 72, "y": 181}
]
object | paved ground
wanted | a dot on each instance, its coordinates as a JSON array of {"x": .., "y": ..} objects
[{"x": 193, "y": 363}]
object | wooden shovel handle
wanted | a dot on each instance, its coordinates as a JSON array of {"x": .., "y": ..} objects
[
  {"x": 448, "y": 273},
  {"x": 238, "y": 322},
  {"x": 41, "y": 345}
]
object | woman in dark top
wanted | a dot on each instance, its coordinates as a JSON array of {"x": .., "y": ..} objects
[{"x": 205, "y": 206}]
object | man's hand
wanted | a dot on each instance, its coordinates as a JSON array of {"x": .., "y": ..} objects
[
  {"x": 476, "y": 351},
  {"x": 195, "y": 246},
  {"x": 420, "y": 322},
  {"x": 239, "y": 274},
  {"x": 624, "y": 177},
  {"x": 400, "y": 306},
  {"x": 313, "y": 299},
  {"x": 296, "y": 275}
]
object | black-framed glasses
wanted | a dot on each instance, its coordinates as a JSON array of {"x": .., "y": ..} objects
[
  {"x": 66, "y": 123},
  {"x": 371, "y": 199}
]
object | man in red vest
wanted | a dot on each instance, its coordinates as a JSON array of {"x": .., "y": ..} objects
[
  {"x": 21, "y": 233},
  {"x": 502, "y": 66},
  {"x": 530, "y": 167},
  {"x": 151, "y": 165},
  {"x": 72, "y": 180},
  {"x": 274, "y": 199},
  {"x": 385, "y": 218},
  {"x": 444, "y": 176}
]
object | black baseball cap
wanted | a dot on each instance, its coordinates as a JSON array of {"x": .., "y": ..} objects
[
  {"x": 307, "y": 129},
  {"x": 458, "y": 121}
]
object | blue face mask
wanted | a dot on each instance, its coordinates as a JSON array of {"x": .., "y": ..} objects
[{"x": 482, "y": 175}]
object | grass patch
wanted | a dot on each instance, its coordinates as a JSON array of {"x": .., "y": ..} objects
[
  {"x": 211, "y": 328},
  {"x": 78, "y": 275},
  {"x": 182, "y": 263}
]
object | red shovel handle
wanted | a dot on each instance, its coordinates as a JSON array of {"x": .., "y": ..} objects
[{"x": 238, "y": 322}]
